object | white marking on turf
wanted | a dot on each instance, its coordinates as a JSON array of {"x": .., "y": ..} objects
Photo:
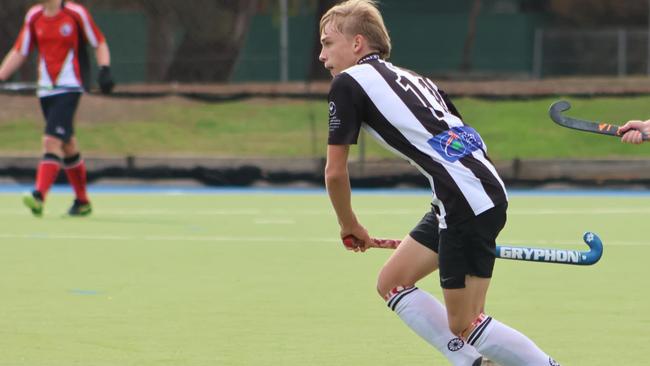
[
  {"x": 579, "y": 211},
  {"x": 274, "y": 221},
  {"x": 244, "y": 212},
  {"x": 327, "y": 212},
  {"x": 46, "y": 236},
  {"x": 577, "y": 243}
]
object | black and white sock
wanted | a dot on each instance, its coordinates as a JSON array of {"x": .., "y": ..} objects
[
  {"x": 506, "y": 346},
  {"x": 427, "y": 317}
]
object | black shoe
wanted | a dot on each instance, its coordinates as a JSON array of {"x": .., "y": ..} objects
[
  {"x": 478, "y": 362},
  {"x": 80, "y": 208},
  {"x": 34, "y": 201}
]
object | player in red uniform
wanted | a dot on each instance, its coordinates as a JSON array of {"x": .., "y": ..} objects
[{"x": 59, "y": 30}]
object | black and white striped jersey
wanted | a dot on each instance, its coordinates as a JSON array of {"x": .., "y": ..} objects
[{"x": 408, "y": 115}]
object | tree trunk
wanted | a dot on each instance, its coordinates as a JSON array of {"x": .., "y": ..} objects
[
  {"x": 160, "y": 45},
  {"x": 466, "y": 64},
  {"x": 13, "y": 16},
  {"x": 214, "y": 36},
  {"x": 316, "y": 70},
  {"x": 242, "y": 23}
]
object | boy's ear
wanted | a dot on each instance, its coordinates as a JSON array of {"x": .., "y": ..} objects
[{"x": 358, "y": 40}]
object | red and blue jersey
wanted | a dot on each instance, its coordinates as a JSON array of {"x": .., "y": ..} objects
[{"x": 59, "y": 40}]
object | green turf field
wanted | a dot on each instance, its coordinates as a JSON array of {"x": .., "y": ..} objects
[
  {"x": 262, "y": 127},
  {"x": 260, "y": 279}
]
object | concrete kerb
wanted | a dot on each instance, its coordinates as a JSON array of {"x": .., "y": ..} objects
[{"x": 386, "y": 173}]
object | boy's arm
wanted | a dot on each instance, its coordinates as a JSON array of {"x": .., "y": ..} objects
[
  {"x": 103, "y": 55},
  {"x": 337, "y": 181},
  {"x": 10, "y": 64},
  {"x": 105, "y": 78}
]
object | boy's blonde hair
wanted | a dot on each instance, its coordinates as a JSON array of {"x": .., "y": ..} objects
[{"x": 362, "y": 17}]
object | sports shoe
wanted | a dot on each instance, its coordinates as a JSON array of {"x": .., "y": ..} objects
[
  {"x": 34, "y": 201},
  {"x": 80, "y": 208}
]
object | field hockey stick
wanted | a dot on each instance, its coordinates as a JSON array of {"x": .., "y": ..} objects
[
  {"x": 582, "y": 125},
  {"x": 546, "y": 255},
  {"x": 30, "y": 86}
]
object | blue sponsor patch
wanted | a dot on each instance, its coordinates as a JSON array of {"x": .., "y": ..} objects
[{"x": 456, "y": 143}]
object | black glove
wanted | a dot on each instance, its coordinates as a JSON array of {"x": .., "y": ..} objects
[{"x": 105, "y": 80}]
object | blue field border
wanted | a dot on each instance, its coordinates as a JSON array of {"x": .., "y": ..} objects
[{"x": 176, "y": 190}]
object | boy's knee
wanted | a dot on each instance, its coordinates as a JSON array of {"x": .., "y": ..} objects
[
  {"x": 458, "y": 328},
  {"x": 382, "y": 288},
  {"x": 463, "y": 326},
  {"x": 387, "y": 285}
]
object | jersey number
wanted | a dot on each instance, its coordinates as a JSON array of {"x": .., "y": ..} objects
[{"x": 425, "y": 86}]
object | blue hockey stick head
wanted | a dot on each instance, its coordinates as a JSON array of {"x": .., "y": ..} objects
[{"x": 596, "y": 246}]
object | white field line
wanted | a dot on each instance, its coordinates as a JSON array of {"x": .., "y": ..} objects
[
  {"x": 252, "y": 212},
  {"x": 165, "y": 238},
  {"x": 387, "y": 212},
  {"x": 581, "y": 211},
  {"x": 577, "y": 243},
  {"x": 274, "y": 221}
]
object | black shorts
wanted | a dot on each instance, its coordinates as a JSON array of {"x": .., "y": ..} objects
[
  {"x": 59, "y": 111},
  {"x": 426, "y": 232},
  {"x": 466, "y": 248}
]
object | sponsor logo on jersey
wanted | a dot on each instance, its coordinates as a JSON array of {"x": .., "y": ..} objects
[
  {"x": 335, "y": 121},
  {"x": 455, "y": 344},
  {"x": 456, "y": 143},
  {"x": 66, "y": 29},
  {"x": 332, "y": 108}
]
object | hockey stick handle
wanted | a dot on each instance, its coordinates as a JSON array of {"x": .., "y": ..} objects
[
  {"x": 602, "y": 128},
  {"x": 644, "y": 135},
  {"x": 614, "y": 130},
  {"x": 546, "y": 255},
  {"x": 21, "y": 87}
]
